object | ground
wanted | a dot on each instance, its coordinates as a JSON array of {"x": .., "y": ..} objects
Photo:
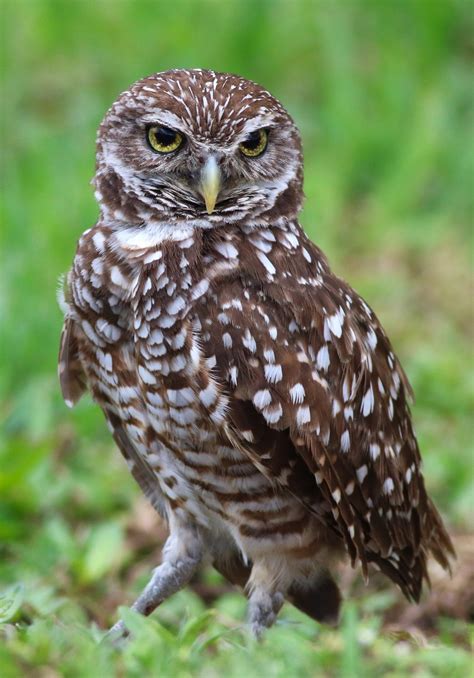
[{"x": 383, "y": 95}]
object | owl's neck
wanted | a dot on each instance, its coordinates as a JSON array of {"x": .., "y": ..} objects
[
  {"x": 182, "y": 254},
  {"x": 202, "y": 245},
  {"x": 155, "y": 234},
  {"x": 173, "y": 267}
]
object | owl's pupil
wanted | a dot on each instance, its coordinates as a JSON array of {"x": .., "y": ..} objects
[
  {"x": 165, "y": 135},
  {"x": 253, "y": 140}
]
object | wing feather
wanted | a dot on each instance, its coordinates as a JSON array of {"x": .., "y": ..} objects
[
  {"x": 72, "y": 378},
  {"x": 316, "y": 391}
]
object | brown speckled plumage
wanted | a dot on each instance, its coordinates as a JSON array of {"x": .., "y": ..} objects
[{"x": 254, "y": 394}]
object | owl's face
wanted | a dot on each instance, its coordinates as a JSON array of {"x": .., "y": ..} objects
[{"x": 198, "y": 146}]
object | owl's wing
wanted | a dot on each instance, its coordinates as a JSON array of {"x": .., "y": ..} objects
[
  {"x": 72, "y": 379},
  {"x": 70, "y": 371},
  {"x": 313, "y": 383}
]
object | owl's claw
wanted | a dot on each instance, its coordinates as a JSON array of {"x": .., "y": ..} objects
[{"x": 117, "y": 635}]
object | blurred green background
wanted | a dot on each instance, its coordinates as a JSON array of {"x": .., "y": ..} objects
[{"x": 382, "y": 93}]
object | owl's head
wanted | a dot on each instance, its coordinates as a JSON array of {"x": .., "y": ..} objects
[{"x": 198, "y": 146}]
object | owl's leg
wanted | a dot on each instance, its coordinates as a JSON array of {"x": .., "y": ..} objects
[
  {"x": 264, "y": 607},
  {"x": 265, "y": 600},
  {"x": 182, "y": 555}
]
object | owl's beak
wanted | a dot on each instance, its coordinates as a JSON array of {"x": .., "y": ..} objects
[{"x": 210, "y": 183}]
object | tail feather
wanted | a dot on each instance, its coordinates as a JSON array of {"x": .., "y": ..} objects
[
  {"x": 321, "y": 600},
  {"x": 439, "y": 541}
]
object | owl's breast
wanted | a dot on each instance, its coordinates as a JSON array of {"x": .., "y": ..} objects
[{"x": 142, "y": 322}]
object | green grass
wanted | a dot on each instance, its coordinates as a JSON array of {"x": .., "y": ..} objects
[{"x": 382, "y": 92}]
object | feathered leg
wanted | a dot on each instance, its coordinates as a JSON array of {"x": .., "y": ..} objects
[
  {"x": 182, "y": 555},
  {"x": 265, "y": 598},
  {"x": 263, "y": 610}
]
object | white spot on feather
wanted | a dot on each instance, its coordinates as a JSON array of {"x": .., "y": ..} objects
[
  {"x": 303, "y": 415},
  {"x": 184, "y": 416},
  {"x": 262, "y": 245},
  {"x": 345, "y": 441},
  {"x": 335, "y": 322},
  {"x": 176, "y": 305},
  {"x": 146, "y": 376},
  {"x": 99, "y": 241},
  {"x": 110, "y": 332},
  {"x": 322, "y": 358},
  {"x": 180, "y": 397},
  {"x": 269, "y": 355},
  {"x": 273, "y": 373},
  {"x": 273, "y": 414},
  {"x": 208, "y": 396},
  {"x": 223, "y": 318},
  {"x": 97, "y": 265},
  {"x": 227, "y": 250},
  {"x": 118, "y": 278},
  {"x": 211, "y": 362},
  {"x": 374, "y": 451},
  {"x": 178, "y": 340},
  {"x": 348, "y": 413},
  {"x": 249, "y": 342},
  {"x": 266, "y": 262},
  {"x": 262, "y": 399},
  {"x": 362, "y": 473},
  {"x": 367, "y": 404},
  {"x": 390, "y": 409},
  {"x": 273, "y": 332},
  {"x": 153, "y": 256},
  {"x": 89, "y": 331},
  {"x": 297, "y": 393},
  {"x": 200, "y": 289},
  {"x": 372, "y": 339},
  {"x": 105, "y": 360},
  {"x": 178, "y": 363},
  {"x": 147, "y": 286}
]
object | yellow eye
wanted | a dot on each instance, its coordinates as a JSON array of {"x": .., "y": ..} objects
[
  {"x": 164, "y": 139},
  {"x": 255, "y": 143}
]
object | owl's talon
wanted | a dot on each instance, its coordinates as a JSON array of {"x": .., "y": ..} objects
[{"x": 117, "y": 635}]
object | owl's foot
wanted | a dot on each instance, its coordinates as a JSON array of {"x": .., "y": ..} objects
[
  {"x": 263, "y": 610},
  {"x": 174, "y": 573}
]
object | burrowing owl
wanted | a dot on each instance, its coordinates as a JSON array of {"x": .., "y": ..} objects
[{"x": 254, "y": 395}]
